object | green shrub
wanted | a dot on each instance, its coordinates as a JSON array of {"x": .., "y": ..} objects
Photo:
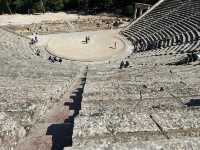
[
  {"x": 129, "y": 10},
  {"x": 72, "y": 4},
  {"x": 55, "y": 5}
]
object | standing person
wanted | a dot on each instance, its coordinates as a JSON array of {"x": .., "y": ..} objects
[
  {"x": 32, "y": 41},
  {"x": 55, "y": 59},
  {"x": 50, "y": 59},
  {"x": 86, "y": 39},
  {"x": 36, "y": 37},
  {"x": 115, "y": 45},
  {"x": 121, "y": 64},
  {"x": 37, "y": 52},
  {"x": 126, "y": 64}
]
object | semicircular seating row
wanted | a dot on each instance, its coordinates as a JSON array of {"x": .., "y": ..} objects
[
  {"x": 173, "y": 26},
  {"x": 27, "y": 80},
  {"x": 19, "y": 62}
]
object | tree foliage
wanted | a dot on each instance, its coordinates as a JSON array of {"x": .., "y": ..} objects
[
  {"x": 71, "y": 4},
  {"x": 129, "y": 10},
  {"x": 30, "y": 6}
]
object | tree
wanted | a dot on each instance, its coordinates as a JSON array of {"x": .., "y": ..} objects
[
  {"x": 23, "y": 6},
  {"x": 55, "y": 5},
  {"x": 5, "y": 6},
  {"x": 129, "y": 10},
  {"x": 72, "y": 4}
]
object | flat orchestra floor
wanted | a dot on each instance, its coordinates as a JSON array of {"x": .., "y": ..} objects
[{"x": 101, "y": 46}]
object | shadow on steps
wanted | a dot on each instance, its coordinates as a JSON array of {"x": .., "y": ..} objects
[
  {"x": 193, "y": 103},
  {"x": 62, "y": 133}
]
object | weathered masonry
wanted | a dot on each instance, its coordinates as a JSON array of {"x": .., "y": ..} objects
[{"x": 140, "y": 9}]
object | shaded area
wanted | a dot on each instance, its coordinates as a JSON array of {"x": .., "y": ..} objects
[
  {"x": 193, "y": 102},
  {"x": 186, "y": 60},
  {"x": 62, "y": 133}
]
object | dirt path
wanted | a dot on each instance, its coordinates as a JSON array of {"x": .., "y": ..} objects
[{"x": 19, "y": 19}]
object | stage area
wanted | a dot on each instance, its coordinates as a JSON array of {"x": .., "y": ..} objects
[{"x": 102, "y": 45}]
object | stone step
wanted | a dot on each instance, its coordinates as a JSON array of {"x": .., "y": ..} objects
[
  {"x": 187, "y": 118},
  {"x": 135, "y": 105},
  {"x": 172, "y": 144},
  {"x": 112, "y": 121}
]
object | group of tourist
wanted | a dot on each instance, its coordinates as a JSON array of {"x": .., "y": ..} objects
[
  {"x": 34, "y": 39},
  {"x": 54, "y": 59},
  {"x": 51, "y": 59},
  {"x": 124, "y": 64}
]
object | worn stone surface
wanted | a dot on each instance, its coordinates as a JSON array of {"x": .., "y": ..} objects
[
  {"x": 173, "y": 144},
  {"x": 145, "y": 103},
  {"x": 27, "y": 91},
  {"x": 148, "y": 105}
]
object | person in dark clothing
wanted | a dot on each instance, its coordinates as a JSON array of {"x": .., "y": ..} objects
[
  {"x": 194, "y": 57},
  {"x": 55, "y": 58},
  {"x": 32, "y": 41},
  {"x": 121, "y": 64},
  {"x": 37, "y": 52},
  {"x": 126, "y": 64},
  {"x": 36, "y": 37},
  {"x": 115, "y": 45},
  {"x": 60, "y": 60},
  {"x": 86, "y": 39},
  {"x": 49, "y": 58}
]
